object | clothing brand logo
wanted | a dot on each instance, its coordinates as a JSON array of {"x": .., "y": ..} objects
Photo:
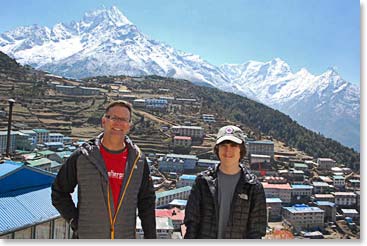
[
  {"x": 243, "y": 196},
  {"x": 229, "y": 130}
]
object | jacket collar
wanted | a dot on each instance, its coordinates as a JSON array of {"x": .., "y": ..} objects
[
  {"x": 247, "y": 176},
  {"x": 90, "y": 150}
]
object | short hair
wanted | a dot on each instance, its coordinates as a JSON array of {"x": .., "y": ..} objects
[
  {"x": 242, "y": 149},
  {"x": 122, "y": 104}
]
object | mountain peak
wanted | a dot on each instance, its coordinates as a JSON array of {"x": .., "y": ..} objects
[{"x": 112, "y": 16}]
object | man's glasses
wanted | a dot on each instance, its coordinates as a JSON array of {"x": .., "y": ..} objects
[{"x": 117, "y": 119}]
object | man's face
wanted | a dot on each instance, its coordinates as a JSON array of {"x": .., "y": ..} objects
[
  {"x": 116, "y": 122},
  {"x": 229, "y": 152}
]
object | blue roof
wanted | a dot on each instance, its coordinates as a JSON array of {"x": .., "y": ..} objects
[
  {"x": 6, "y": 168},
  {"x": 189, "y": 177},
  {"x": 302, "y": 208},
  {"x": 172, "y": 192},
  {"x": 273, "y": 200},
  {"x": 178, "y": 202},
  {"x": 325, "y": 203},
  {"x": 295, "y": 186},
  {"x": 23, "y": 178},
  {"x": 26, "y": 209}
]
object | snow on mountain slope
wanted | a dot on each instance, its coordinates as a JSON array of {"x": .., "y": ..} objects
[{"x": 105, "y": 42}]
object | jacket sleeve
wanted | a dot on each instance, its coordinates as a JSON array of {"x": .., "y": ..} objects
[
  {"x": 146, "y": 204},
  {"x": 192, "y": 211},
  {"x": 64, "y": 184},
  {"x": 256, "y": 228}
]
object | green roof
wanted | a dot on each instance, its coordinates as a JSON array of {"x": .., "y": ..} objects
[
  {"x": 41, "y": 130},
  {"x": 172, "y": 192},
  {"x": 46, "y": 152},
  {"x": 39, "y": 162}
]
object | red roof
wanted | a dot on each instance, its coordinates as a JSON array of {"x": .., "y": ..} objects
[
  {"x": 276, "y": 186},
  {"x": 182, "y": 138},
  {"x": 174, "y": 213}
]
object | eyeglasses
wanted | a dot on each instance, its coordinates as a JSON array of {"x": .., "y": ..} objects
[{"x": 117, "y": 119}]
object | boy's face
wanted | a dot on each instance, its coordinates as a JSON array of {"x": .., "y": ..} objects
[{"x": 229, "y": 152}]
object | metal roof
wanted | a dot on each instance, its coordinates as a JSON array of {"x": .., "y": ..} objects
[
  {"x": 178, "y": 202},
  {"x": 172, "y": 192},
  {"x": 24, "y": 177},
  {"x": 273, "y": 200},
  {"x": 187, "y": 177},
  {"x": 26, "y": 209},
  {"x": 6, "y": 168}
]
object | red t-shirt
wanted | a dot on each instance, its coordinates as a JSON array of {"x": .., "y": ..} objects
[{"x": 115, "y": 165}]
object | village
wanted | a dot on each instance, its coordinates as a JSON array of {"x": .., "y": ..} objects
[{"x": 306, "y": 197}]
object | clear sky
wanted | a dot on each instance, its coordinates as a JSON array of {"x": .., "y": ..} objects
[{"x": 314, "y": 34}]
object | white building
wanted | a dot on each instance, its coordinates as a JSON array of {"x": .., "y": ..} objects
[
  {"x": 325, "y": 163},
  {"x": 345, "y": 198},
  {"x": 303, "y": 217}
]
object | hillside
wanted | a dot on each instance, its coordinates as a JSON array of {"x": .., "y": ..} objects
[{"x": 39, "y": 105}]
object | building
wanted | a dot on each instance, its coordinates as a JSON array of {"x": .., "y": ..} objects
[
  {"x": 345, "y": 199},
  {"x": 26, "y": 209},
  {"x": 165, "y": 197},
  {"x": 55, "y": 137},
  {"x": 175, "y": 214},
  {"x": 54, "y": 146},
  {"x": 177, "y": 163},
  {"x": 42, "y": 163},
  {"x": 329, "y": 208},
  {"x": 206, "y": 163},
  {"x": 42, "y": 135},
  {"x": 208, "y": 118},
  {"x": 260, "y": 148},
  {"x": 301, "y": 193},
  {"x": 185, "y": 180},
  {"x": 164, "y": 227},
  {"x": 301, "y": 167},
  {"x": 182, "y": 141},
  {"x": 77, "y": 90},
  {"x": 195, "y": 132},
  {"x": 351, "y": 213},
  {"x": 156, "y": 104},
  {"x": 338, "y": 181},
  {"x": 325, "y": 163},
  {"x": 281, "y": 191},
  {"x": 321, "y": 187},
  {"x": 303, "y": 217},
  {"x": 324, "y": 197},
  {"x": 274, "y": 208},
  {"x": 24, "y": 141},
  {"x": 4, "y": 139}
]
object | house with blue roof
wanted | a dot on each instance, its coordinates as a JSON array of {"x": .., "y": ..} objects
[
  {"x": 274, "y": 208},
  {"x": 185, "y": 180},
  {"x": 162, "y": 199},
  {"x": 304, "y": 217},
  {"x": 329, "y": 208},
  {"x": 26, "y": 209}
]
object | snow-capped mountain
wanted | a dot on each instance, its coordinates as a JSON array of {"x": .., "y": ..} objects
[
  {"x": 105, "y": 42},
  {"x": 325, "y": 103}
]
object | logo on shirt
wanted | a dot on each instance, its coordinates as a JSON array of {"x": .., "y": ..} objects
[
  {"x": 243, "y": 196},
  {"x": 114, "y": 175}
]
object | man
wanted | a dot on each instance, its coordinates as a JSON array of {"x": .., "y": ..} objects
[
  {"x": 113, "y": 181},
  {"x": 227, "y": 202}
]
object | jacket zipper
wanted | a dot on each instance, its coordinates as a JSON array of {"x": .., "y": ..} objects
[{"x": 113, "y": 220}]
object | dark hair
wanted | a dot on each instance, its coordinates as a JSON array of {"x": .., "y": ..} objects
[
  {"x": 242, "y": 149},
  {"x": 122, "y": 104}
]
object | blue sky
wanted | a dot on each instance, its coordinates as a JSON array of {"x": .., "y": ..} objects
[{"x": 315, "y": 34}]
